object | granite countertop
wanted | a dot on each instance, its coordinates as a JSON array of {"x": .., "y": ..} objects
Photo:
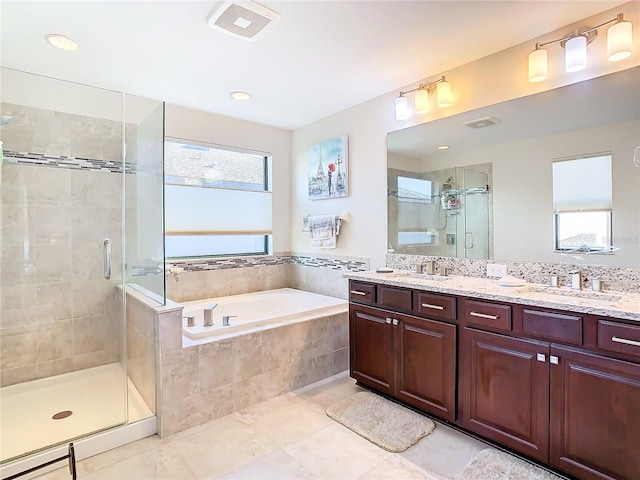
[{"x": 608, "y": 303}]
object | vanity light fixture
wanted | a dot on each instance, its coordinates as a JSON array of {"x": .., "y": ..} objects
[
  {"x": 619, "y": 46},
  {"x": 421, "y": 101}
]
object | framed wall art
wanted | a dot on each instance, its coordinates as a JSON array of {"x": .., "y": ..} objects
[{"x": 328, "y": 169}]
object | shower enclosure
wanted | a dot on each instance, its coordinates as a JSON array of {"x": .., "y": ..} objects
[
  {"x": 81, "y": 199},
  {"x": 444, "y": 213}
]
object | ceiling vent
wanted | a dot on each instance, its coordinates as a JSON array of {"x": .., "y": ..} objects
[
  {"x": 482, "y": 122},
  {"x": 242, "y": 18}
]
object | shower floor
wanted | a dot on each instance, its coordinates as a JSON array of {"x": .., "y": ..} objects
[{"x": 95, "y": 397}]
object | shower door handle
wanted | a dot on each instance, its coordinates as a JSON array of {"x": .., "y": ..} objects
[{"x": 106, "y": 258}]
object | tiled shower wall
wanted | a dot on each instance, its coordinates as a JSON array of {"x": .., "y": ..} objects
[{"x": 57, "y": 312}]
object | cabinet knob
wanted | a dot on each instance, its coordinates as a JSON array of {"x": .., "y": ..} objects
[
  {"x": 395, "y": 321},
  {"x": 387, "y": 320},
  {"x": 554, "y": 360},
  {"x": 541, "y": 357}
]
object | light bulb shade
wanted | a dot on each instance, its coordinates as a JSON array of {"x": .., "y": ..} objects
[
  {"x": 619, "y": 40},
  {"x": 575, "y": 55},
  {"x": 422, "y": 101},
  {"x": 402, "y": 108},
  {"x": 443, "y": 91},
  {"x": 538, "y": 65}
]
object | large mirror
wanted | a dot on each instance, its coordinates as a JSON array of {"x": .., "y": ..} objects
[{"x": 490, "y": 193}]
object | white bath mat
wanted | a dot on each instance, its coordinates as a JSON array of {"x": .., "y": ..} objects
[
  {"x": 492, "y": 464},
  {"x": 381, "y": 421}
]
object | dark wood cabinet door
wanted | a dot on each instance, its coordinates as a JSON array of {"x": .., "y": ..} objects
[
  {"x": 595, "y": 416},
  {"x": 372, "y": 349},
  {"x": 426, "y": 368},
  {"x": 505, "y": 390}
]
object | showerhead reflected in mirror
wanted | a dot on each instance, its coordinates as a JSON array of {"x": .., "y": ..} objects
[{"x": 516, "y": 151}]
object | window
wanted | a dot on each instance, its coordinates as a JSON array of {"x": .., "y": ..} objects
[
  {"x": 217, "y": 201},
  {"x": 582, "y": 204},
  {"x": 415, "y": 211}
]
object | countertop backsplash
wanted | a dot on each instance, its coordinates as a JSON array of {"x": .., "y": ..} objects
[{"x": 613, "y": 278}]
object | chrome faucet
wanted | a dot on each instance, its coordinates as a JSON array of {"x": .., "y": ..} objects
[
  {"x": 430, "y": 267},
  {"x": 576, "y": 279},
  {"x": 225, "y": 320},
  {"x": 191, "y": 320},
  {"x": 208, "y": 314}
]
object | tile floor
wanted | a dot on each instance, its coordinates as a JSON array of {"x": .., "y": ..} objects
[{"x": 287, "y": 437}]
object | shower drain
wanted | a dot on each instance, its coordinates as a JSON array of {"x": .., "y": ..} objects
[{"x": 63, "y": 414}]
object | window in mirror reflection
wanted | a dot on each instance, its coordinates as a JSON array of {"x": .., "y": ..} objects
[
  {"x": 582, "y": 204},
  {"x": 412, "y": 194}
]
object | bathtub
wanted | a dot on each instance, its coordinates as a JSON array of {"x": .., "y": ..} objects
[{"x": 258, "y": 310}]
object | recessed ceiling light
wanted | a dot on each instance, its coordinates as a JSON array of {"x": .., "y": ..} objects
[
  {"x": 61, "y": 41},
  {"x": 443, "y": 147},
  {"x": 240, "y": 95}
]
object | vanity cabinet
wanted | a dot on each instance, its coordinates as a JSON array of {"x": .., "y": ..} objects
[
  {"x": 560, "y": 387},
  {"x": 425, "y": 353},
  {"x": 410, "y": 358},
  {"x": 372, "y": 352},
  {"x": 505, "y": 390},
  {"x": 547, "y": 387},
  {"x": 594, "y": 415}
]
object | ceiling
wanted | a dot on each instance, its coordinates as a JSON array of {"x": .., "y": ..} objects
[{"x": 321, "y": 57}]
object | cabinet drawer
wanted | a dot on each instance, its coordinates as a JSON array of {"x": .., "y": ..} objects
[
  {"x": 618, "y": 337},
  {"x": 433, "y": 305},
  {"x": 396, "y": 298},
  {"x": 552, "y": 326},
  {"x": 362, "y": 292},
  {"x": 487, "y": 314}
]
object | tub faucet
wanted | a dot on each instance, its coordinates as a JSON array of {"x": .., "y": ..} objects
[
  {"x": 208, "y": 314},
  {"x": 225, "y": 320}
]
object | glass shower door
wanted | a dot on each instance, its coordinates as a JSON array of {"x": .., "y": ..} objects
[{"x": 62, "y": 368}]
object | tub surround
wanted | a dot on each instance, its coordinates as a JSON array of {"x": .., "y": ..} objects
[
  {"x": 199, "y": 383},
  {"x": 237, "y": 275}
]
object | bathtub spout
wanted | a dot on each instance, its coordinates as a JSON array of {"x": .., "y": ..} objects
[
  {"x": 225, "y": 320},
  {"x": 208, "y": 314}
]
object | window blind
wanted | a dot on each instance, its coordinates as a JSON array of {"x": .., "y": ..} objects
[
  {"x": 212, "y": 211},
  {"x": 582, "y": 184}
]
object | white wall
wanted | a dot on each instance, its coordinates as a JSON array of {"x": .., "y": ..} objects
[
  {"x": 493, "y": 79},
  {"x": 188, "y": 124}
]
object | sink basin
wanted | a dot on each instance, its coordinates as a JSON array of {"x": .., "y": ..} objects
[
  {"x": 419, "y": 276},
  {"x": 566, "y": 292}
]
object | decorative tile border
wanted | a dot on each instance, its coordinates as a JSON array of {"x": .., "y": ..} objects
[
  {"x": 198, "y": 265},
  {"x": 359, "y": 265},
  {"x": 61, "y": 161},
  {"x": 332, "y": 263},
  {"x": 613, "y": 278}
]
